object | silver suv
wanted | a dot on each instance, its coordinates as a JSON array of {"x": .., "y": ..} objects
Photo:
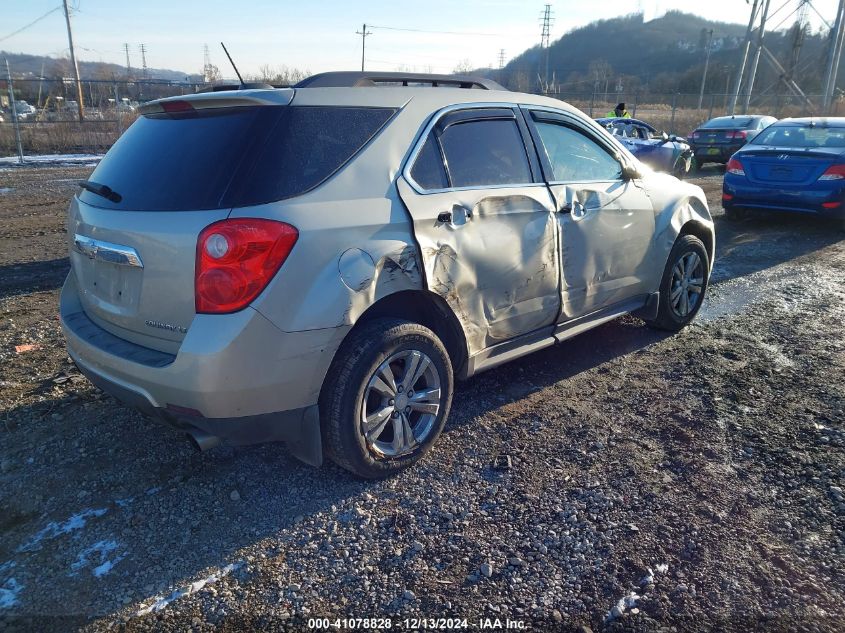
[{"x": 318, "y": 264}]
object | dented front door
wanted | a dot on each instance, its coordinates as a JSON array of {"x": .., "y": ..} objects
[
  {"x": 606, "y": 220},
  {"x": 489, "y": 246}
]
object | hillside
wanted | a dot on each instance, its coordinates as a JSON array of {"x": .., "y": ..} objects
[
  {"x": 23, "y": 65},
  {"x": 662, "y": 55}
]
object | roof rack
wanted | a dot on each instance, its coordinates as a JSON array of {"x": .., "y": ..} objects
[{"x": 356, "y": 79}]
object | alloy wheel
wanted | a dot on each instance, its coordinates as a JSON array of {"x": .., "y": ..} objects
[{"x": 687, "y": 284}]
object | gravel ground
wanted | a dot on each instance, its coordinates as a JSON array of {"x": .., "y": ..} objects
[{"x": 622, "y": 481}]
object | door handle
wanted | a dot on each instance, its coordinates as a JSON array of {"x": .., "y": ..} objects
[
  {"x": 574, "y": 207},
  {"x": 458, "y": 215}
]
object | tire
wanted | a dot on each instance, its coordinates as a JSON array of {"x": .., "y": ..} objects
[
  {"x": 353, "y": 390},
  {"x": 684, "y": 167},
  {"x": 671, "y": 314},
  {"x": 734, "y": 215}
]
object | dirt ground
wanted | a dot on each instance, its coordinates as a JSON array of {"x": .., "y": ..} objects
[{"x": 657, "y": 483}]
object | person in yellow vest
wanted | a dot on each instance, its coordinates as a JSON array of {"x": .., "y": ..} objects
[{"x": 619, "y": 111}]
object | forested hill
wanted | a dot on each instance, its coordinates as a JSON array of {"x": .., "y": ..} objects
[{"x": 665, "y": 54}]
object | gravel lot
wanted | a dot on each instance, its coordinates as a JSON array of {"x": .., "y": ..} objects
[{"x": 622, "y": 481}]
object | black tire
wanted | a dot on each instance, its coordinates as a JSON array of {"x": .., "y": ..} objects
[
  {"x": 342, "y": 399},
  {"x": 734, "y": 215},
  {"x": 668, "y": 318}
]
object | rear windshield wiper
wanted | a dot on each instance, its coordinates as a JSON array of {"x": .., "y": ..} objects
[{"x": 101, "y": 190}]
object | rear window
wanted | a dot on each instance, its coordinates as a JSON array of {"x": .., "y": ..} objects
[
  {"x": 801, "y": 136},
  {"x": 730, "y": 123},
  {"x": 231, "y": 157}
]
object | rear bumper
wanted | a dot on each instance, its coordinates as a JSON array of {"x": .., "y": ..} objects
[
  {"x": 714, "y": 153},
  {"x": 235, "y": 376},
  {"x": 744, "y": 194}
]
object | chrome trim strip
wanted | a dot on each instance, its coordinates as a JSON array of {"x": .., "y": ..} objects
[{"x": 106, "y": 251}]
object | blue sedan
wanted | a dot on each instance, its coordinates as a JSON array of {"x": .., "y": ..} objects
[
  {"x": 657, "y": 149},
  {"x": 794, "y": 165}
]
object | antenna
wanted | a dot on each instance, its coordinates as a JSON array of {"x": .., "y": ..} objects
[{"x": 233, "y": 63}]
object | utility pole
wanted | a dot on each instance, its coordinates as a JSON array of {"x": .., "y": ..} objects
[
  {"x": 544, "y": 42},
  {"x": 706, "y": 64},
  {"x": 14, "y": 110},
  {"x": 834, "y": 50},
  {"x": 128, "y": 64},
  {"x": 744, "y": 58},
  {"x": 74, "y": 64},
  {"x": 752, "y": 74},
  {"x": 40, "y": 84},
  {"x": 363, "y": 33}
]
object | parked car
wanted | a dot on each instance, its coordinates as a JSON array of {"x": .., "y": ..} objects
[
  {"x": 717, "y": 140},
  {"x": 659, "y": 150},
  {"x": 794, "y": 165},
  {"x": 318, "y": 264}
]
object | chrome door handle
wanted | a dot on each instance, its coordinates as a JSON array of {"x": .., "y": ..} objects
[{"x": 106, "y": 251}]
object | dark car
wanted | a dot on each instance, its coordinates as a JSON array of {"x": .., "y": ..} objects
[
  {"x": 794, "y": 165},
  {"x": 657, "y": 149},
  {"x": 717, "y": 140}
]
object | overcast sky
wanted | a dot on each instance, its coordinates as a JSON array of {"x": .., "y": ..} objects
[{"x": 320, "y": 35}]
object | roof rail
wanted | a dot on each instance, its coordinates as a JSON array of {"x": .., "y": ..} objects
[{"x": 358, "y": 79}]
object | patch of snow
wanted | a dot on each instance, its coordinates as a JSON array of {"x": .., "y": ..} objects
[
  {"x": 153, "y": 490},
  {"x": 53, "y": 159},
  {"x": 103, "y": 550},
  {"x": 53, "y": 529},
  {"x": 124, "y": 503},
  {"x": 161, "y": 603},
  {"x": 662, "y": 568},
  {"x": 625, "y": 602},
  {"x": 9, "y": 591}
]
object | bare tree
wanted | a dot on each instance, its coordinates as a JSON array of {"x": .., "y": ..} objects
[{"x": 464, "y": 66}]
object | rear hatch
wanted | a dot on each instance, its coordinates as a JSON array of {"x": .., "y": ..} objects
[
  {"x": 788, "y": 167},
  {"x": 175, "y": 172}
]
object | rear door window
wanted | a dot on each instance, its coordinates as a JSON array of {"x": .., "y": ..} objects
[
  {"x": 428, "y": 171},
  {"x": 231, "y": 157},
  {"x": 485, "y": 152}
]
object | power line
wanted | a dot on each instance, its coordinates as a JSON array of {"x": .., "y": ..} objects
[
  {"x": 33, "y": 23},
  {"x": 396, "y": 28}
]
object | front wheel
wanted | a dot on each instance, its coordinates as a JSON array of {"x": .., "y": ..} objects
[
  {"x": 684, "y": 284},
  {"x": 386, "y": 397}
]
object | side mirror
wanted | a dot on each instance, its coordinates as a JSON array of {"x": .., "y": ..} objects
[
  {"x": 630, "y": 173},
  {"x": 665, "y": 137}
]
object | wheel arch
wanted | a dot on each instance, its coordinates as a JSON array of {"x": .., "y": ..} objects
[{"x": 425, "y": 308}]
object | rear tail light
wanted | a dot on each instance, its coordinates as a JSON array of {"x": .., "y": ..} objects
[
  {"x": 236, "y": 259},
  {"x": 177, "y": 106},
  {"x": 834, "y": 172},
  {"x": 740, "y": 135},
  {"x": 727, "y": 197},
  {"x": 735, "y": 167},
  {"x": 696, "y": 134},
  {"x": 831, "y": 205}
]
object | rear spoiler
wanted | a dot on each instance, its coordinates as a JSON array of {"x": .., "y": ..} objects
[{"x": 222, "y": 99}]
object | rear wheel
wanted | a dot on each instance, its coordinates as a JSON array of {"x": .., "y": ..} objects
[
  {"x": 684, "y": 284},
  {"x": 733, "y": 214},
  {"x": 386, "y": 397}
]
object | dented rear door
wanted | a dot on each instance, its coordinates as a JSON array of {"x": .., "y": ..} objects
[{"x": 484, "y": 223}]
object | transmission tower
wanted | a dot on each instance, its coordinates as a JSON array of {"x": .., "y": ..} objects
[
  {"x": 128, "y": 64},
  {"x": 143, "y": 48},
  {"x": 546, "y": 21},
  {"x": 207, "y": 72}
]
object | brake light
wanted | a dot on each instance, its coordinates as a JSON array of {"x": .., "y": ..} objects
[
  {"x": 727, "y": 197},
  {"x": 176, "y": 106},
  {"x": 696, "y": 134},
  {"x": 831, "y": 205},
  {"x": 834, "y": 172},
  {"x": 735, "y": 167},
  {"x": 236, "y": 259},
  {"x": 738, "y": 134}
]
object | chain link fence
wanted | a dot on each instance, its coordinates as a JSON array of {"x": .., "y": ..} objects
[
  {"x": 48, "y": 117},
  {"x": 48, "y": 120}
]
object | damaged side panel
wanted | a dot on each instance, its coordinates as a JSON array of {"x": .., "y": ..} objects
[{"x": 494, "y": 260}]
